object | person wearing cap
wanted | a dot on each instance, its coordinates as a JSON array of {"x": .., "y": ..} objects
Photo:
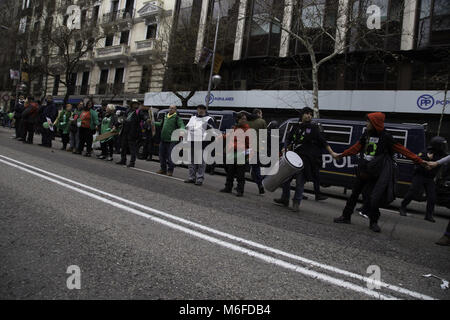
[
  {"x": 376, "y": 170},
  {"x": 168, "y": 125},
  {"x": 424, "y": 179},
  {"x": 196, "y": 132},
  {"x": 129, "y": 133},
  {"x": 307, "y": 141}
]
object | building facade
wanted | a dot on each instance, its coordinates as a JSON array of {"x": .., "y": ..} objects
[{"x": 126, "y": 61}]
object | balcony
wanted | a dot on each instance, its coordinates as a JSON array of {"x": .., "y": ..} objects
[
  {"x": 118, "y": 17},
  {"x": 112, "y": 53},
  {"x": 144, "y": 49},
  {"x": 110, "y": 88}
]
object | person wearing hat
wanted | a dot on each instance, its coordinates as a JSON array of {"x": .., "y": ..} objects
[
  {"x": 424, "y": 179},
  {"x": 375, "y": 171},
  {"x": 196, "y": 132},
  {"x": 306, "y": 140},
  {"x": 129, "y": 132}
]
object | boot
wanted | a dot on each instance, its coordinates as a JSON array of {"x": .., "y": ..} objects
[
  {"x": 430, "y": 218},
  {"x": 342, "y": 219},
  {"x": 122, "y": 162},
  {"x": 374, "y": 227},
  {"x": 284, "y": 202},
  {"x": 226, "y": 190},
  {"x": 444, "y": 241},
  {"x": 295, "y": 206},
  {"x": 261, "y": 189},
  {"x": 402, "y": 211}
]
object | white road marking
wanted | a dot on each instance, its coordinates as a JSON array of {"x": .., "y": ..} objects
[
  {"x": 211, "y": 230},
  {"x": 158, "y": 174}
]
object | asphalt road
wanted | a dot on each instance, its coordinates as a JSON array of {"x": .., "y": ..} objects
[{"x": 138, "y": 235}]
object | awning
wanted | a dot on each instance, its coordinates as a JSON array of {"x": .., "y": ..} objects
[{"x": 72, "y": 101}]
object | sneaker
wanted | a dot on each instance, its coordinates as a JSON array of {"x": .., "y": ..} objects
[
  {"x": 239, "y": 194},
  {"x": 261, "y": 190},
  {"x": 121, "y": 162},
  {"x": 189, "y": 181},
  {"x": 321, "y": 197},
  {"x": 430, "y": 219},
  {"x": 342, "y": 219},
  {"x": 160, "y": 172},
  {"x": 170, "y": 173},
  {"x": 198, "y": 183},
  {"x": 109, "y": 159},
  {"x": 100, "y": 156},
  {"x": 284, "y": 202},
  {"x": 402, "y": 211},
  {"x": 225, "y": 190},
  {"x": 374, "y": 227},
  {"x": 130, "y": 165},
  {"x": 295, "y": 206},
  {"x": 444, "y": 240}
]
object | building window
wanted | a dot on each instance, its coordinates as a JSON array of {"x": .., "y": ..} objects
[
  {"x": 102, "y": 86},
  {"x": 263, "y": 36},
  {"x": 56, "y": 85},
  {"x": 388, "y": 37},
  {"x": 124, "y": 35},
  {"x": 95, "y": 14},
  {"x": 145, "y": 79},
  {"x": 109, "y": 40},
  {"x": 151, "y": 31},
  {"x": 434, "y": 23}
]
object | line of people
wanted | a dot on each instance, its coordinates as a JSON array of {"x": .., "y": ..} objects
[{"x": 376, "y": 170}]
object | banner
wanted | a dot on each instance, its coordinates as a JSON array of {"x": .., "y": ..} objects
[
  {"x": 14, "y": 74},
  {"x": 217, "y": 63}
]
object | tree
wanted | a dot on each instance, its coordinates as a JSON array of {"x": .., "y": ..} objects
[
  {"x": 64, "y": 48},
  {"x": 325, "y": 29}
]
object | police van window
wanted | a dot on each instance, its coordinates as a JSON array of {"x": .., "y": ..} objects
[
  {"x": 399, "y": 136},
  {"x": 337, "y": 134}
]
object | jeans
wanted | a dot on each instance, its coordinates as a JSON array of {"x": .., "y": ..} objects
[
  {"x": 165, "y": 159},
  {"x": 74, "y": 140},
  {"x": 299, "y": 187}
]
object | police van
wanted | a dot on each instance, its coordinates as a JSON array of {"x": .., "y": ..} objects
[{"x": 341, "y": 134}]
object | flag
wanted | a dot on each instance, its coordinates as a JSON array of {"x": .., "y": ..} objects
[
  {"x": 217, "y": 63},
  {"x": 14, "y": 74},
  {"x": 25, "y": 77},
  {"x": 205, "y": 56}
]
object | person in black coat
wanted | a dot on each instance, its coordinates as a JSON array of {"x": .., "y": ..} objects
[
  {"x": 29, "y": 118},
  {"x": 130, "y": 132},
  {"x": 49, "y": 110},
  {"x": 18, "y": 109}
]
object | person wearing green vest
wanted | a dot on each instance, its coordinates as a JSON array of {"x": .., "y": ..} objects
[
  {"x": 168, "y": 125},
  {"x": 62, "y": 124},
  {"x": 109, "y": 121}
]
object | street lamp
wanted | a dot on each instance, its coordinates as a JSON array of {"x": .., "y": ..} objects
[{"x": 216, "y": 79}]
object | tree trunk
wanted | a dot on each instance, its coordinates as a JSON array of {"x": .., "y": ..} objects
[{"x": 315, "y": 80}]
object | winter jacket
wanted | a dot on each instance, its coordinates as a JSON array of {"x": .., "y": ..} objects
[
  {"x": 49, "y": 111},
  {"x": 168, "y": 125},
  {"x": 18, "y": 109},
  {"x": 30, "y": 113},
  {"x": 62, "y": 121},
  {"x": 108, "y": 122},
  {"x": 131, "y": 126}
]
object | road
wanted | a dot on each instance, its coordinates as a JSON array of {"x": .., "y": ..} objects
[{"x": 135, "y": 234}]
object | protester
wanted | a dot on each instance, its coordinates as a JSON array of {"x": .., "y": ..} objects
[
  {"x": 73, "y": 128},
  {"x": 375, "y": 171},
  {"x": 18, "y": 109},
  {"x": 62, "y": 124},
  {"x": 424, "y": 179},
  {"x": 130, "y": 133},
  {"x": 307, "y": 141},
  {"x": 147, "y": 139},
  {"x": 232, "y": 151},
  {"x": 258, "y": 124},
  {"x": 196, "y": 134},
  {"x": 168, "y": 125},
  {"x": 87, "y": 124},
  {"x": 445, "y": 239},
  {"x": 29, "y": 118},
  {"x": 109, "y": 122},
  {"x": 49, "y": 112}
]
